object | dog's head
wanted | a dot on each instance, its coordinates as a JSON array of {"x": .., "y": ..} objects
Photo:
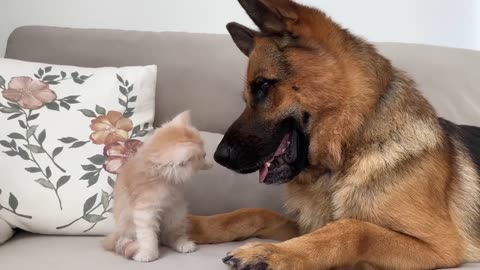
[{"x": 309, "y": 85}]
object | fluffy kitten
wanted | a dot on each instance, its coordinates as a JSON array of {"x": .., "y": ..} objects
[{"x": 149, "y": 207}]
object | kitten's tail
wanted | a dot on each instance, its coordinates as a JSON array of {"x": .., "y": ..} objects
[{"x": 120, "y": 244}]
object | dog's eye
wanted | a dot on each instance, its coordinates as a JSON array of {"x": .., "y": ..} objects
[{"x": 260, "y": 88}]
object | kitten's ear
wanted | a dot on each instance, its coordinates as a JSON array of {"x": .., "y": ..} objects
[{"x": 183, "y": 119}]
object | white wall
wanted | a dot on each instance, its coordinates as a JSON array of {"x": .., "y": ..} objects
[{"x": 454, "y": 23}]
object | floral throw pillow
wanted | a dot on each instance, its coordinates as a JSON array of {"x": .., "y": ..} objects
[{"x": 65, "y": 132}]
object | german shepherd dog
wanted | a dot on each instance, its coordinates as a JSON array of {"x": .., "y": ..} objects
[{"x": 374, "y": 178}]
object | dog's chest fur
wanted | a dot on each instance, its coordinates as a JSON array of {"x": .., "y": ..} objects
[{"x": 314, "y": 205}]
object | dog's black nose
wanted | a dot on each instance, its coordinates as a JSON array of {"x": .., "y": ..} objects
[{"x": 223, "y": 154}]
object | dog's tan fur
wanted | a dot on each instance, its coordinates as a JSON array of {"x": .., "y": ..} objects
[{"x": 386, "y": 186}]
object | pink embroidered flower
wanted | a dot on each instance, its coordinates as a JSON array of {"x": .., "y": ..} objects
[
  {"x": 118, "y": 153},
  {"x": 110, "y": 128},
  {"x": 28, "y": 93}
]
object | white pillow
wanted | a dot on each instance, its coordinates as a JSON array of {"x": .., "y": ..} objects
[{"x": 64, "y": 133}]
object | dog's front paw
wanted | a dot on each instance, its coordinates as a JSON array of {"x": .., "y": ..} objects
[
  {"x": 260, "y": 256},
  {"x": 146, "y": 255}
]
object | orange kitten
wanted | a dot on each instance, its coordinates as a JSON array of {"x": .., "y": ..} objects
[{"x": 149, "y": 207}]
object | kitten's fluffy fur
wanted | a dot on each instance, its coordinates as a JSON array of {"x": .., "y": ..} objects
[{"x": 149, "y": 205}]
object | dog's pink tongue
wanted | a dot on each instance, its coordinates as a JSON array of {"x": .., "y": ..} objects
[{"x": 263, "y": 173}]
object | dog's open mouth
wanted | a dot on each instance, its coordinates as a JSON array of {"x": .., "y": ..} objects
[{"x": 286, "y": 162}]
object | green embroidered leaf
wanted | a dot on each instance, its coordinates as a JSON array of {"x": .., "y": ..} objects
[
  {"x": 105, "y": 200},
  {"x": 48, "y": 172},
  {"x": 14, "y": 105},
  {"x": 120, "y": 79},
  {"x": 13, "y": 144},
  {"x": 13, "y": 116},
  {"x": 37, "y": 76},
  {"x": 45, "y": 183},
  {"x": 68, "y": 139},
  {"x": 123, "y": 90},
  {"x": 74, "y": 74},
  {"x": 72, "y": 101},
  {"x": 48, "y": 69},
  {"x": 79, "y": 81},
  {"x": 127, "y": 83},
  {"x": 13, "y": 202},
  {"x": 53, "y": 106},
  {"x": 97, "y": 159},
  {"x": 57, "y": 151},
  {"x": 89, "y": 204},
  {"x": 8, "y": 110},
  {"x": 130, "y": 88},
  {"x": 33, "y": 117},
  {"x": 51, "y": 77},
  {"x": 88, "y": 113},
  {"x": 31, "y": 131},
  {"x": 92, "y": 181},
  {"x": 78, "y": 144},
  {"x": 132, "y": 99},
  {"x": 127, "y": 114},
  {"x": 100, "y": 110},
  {"x": 2, "y": 82},
  {"x": 5, "y": 144},
  {"x": 40, "y": 72},
  {"x": 85, "y": 77},
  {"x": 87, "y": 176},
  {"x": 35, "y": 149},
  {"x": 63, "y": 180},
  {"x": 22, "y": 124},
  {"x": 142, "y": 133},
  {"x": 65, "y": 105},
  {"x": 93, "y": 218},
  {"x": 89, "y": 167},
  {"x": 146, "y": 125},
  {"x": 15, "y": 135},
  {"x": 33, "y": 170},
  {"x": 136, "y": 129},
  {"x": 41, "y": 136},
  {"x": 111, "y": 182},
  {"x": 11, "y": 153},
  {"x": 71, "y": 97},
  {"x": 63, "y": 74},
  {"x": 23, "y": 154}
]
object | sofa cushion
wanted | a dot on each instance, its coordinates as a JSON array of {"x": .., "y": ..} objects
[
  {"x": 27, "y": 251},
  {"x": 65, "y": 132}
]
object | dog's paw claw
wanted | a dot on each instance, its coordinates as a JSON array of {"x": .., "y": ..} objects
[{"x": 230, "y": 261}]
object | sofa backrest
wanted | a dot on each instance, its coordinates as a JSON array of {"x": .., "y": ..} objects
[{"x": 204, "y": 72}]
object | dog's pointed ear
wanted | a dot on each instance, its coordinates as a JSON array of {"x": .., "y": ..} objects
[
  {"x": 243, "y": 37},
  {"x": 269, "y": 17}
]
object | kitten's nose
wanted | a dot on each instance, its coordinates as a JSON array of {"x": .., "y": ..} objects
[{"x": 223, "y": 154}]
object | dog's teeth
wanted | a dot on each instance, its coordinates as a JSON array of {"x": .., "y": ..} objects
[{"x": 268, "y": 164}]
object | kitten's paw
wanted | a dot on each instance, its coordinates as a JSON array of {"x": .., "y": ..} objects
[
  {"x": 183, "y": 245},
  {"x": 146, "y": 255}
]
